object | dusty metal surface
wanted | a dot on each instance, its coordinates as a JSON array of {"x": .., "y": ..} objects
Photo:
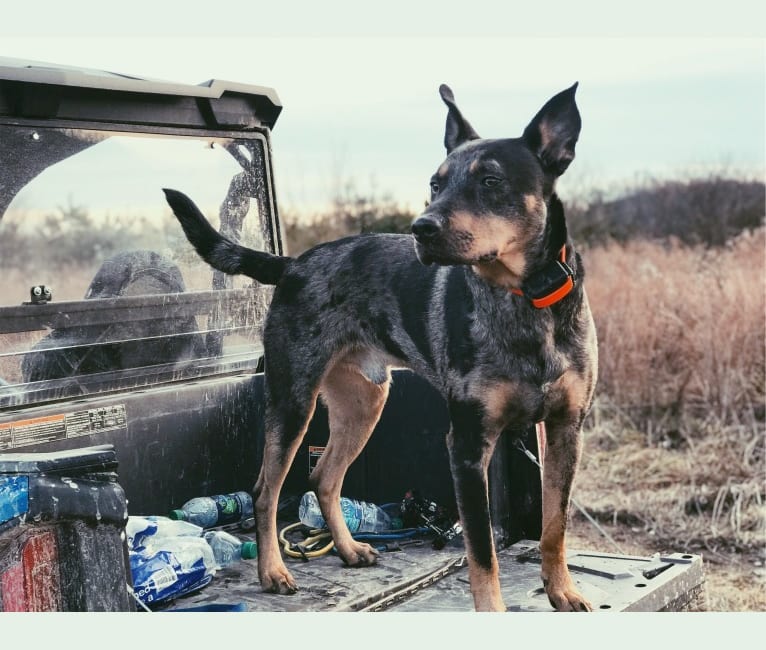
[
  {"x": 420, "y": 579},
  {"x": 326, "y": 584},
  {"x": 611, "y": 582}
]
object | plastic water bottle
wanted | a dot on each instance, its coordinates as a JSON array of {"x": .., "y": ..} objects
[
  {"x": 216, "y": 510},
  {"x": 228, "y": 549},
  {"x": 360, "y": 516}
]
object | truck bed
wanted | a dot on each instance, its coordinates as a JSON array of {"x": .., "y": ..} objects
[{"x": 421, "y": 579}]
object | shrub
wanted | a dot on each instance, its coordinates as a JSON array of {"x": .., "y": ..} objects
[{"x": 707, "y": 211}]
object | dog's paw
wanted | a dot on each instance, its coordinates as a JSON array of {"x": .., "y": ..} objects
[
  {"x": 278, "y": 581},
  {"x": 359, "y": 555},
  {"x": 568, "y": 600}
]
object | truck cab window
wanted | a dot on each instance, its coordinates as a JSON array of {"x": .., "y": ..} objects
[{"x": 123, "y": 299}]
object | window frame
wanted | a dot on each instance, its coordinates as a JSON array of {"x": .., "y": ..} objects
[{"x": 217, "y": 300}]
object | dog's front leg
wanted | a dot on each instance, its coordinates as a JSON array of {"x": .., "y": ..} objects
[
  {"x": 470, "y": 450},
  {"x": 562, "y": 453}
]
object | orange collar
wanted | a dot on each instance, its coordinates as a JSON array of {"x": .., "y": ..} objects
[{"x": 550, "y": 284}]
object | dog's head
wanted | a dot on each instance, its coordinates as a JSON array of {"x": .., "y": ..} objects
[{"x": 488, "y": 198}]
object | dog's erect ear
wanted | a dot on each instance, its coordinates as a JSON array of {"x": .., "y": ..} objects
[
  {"x": 553, "y": 132},
  {"x": 458, "y": 130}
]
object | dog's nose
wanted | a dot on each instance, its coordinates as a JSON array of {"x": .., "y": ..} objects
[{"x": 426, "y": 227}]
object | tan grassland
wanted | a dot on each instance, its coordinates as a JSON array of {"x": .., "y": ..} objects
[{"x": 674, "y": 446}]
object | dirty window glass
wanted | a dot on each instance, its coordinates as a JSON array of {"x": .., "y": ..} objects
[{"x": 99, "y": 288}]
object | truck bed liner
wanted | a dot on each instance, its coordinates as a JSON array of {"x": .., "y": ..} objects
[{"x": 420, "y": 579}]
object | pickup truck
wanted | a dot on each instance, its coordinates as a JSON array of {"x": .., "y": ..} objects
[{"x": 130, "y": 372}]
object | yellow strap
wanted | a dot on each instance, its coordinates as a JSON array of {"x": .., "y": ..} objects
[{"x": 308, "y": 542}]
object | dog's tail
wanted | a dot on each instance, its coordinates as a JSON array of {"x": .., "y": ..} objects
[{"x": 220, "y": 252}]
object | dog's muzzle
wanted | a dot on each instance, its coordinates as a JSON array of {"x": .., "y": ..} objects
[
  {"x": 427, "y": 228},
  {"x": 435, "y": 242}
]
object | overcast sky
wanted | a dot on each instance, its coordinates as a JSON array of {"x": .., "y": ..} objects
[{"x": 366, "y": 109}]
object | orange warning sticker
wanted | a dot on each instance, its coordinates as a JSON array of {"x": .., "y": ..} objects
[{"x": 35, "y": 431}]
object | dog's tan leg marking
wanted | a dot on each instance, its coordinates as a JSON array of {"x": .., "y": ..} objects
[
  {"x": 273, "y": 573},
  {"x": 485, "y": 587},
  {"x": 558, "y": 584},
  {"x": 495, "y": 397},
  {"x": 485, "y": 583},
  {"x": 354, "y": 406},
  {"x": 563, "y": 438}
]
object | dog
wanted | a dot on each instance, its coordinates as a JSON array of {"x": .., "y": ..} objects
[{"x": 484, "y": 299}]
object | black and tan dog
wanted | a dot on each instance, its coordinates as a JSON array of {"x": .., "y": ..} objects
[{"x": 486, "y": 302}]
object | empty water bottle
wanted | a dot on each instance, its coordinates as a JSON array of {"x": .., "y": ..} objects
[
  {"x": 228, "y": 549},
  {"x": 360, "y": 516},
  {"x": 216, "y": 510}
]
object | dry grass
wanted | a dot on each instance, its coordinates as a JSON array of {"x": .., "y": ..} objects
[
  {"x": 674, "y": 452},
  {"x": 681, "y": 331}
]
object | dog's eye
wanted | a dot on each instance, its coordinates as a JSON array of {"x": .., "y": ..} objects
[
  {"x": 434, "y": 187},
  {"x": 490, "y": 181}
]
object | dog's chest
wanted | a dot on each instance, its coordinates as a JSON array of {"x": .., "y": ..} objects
[
  {"x": 517, "y": 370},
  {"x": 528, "y": 350}
]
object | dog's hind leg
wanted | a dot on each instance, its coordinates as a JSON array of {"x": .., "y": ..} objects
[
  {"x": 355, "y": 398},
  {"x": 287, "y": 417}
]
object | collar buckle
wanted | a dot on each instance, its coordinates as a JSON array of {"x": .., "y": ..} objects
[{"x": 550, "y": 284}]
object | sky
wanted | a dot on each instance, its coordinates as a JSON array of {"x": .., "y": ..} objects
[{"x": 360, "y": 98}]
